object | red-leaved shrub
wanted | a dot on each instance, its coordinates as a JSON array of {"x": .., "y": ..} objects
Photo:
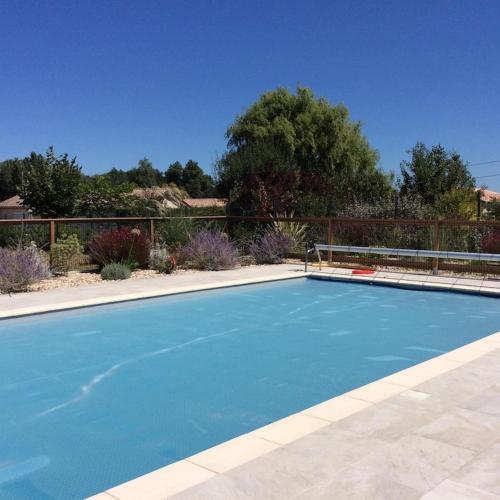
[
  {"x": 124, "y": 245},
  {"x": 491, "y": 243}
]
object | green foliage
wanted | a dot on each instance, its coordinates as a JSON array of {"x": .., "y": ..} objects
[
  {"x": 455, "y": 203},
  {"x": 295, "y": 232},
  {"x": 196, "y": 182},
  {"x": 145, "y": 175},
  {"x": 493, "y": 210},
  {"x": 191, "y": 178},
  {"x": 24, "y": 235},
  {"x": 98, "y": 197},
  {"x": 175, "y": 232},
  {"x": 115, "y": 271},
  {"x": 174, "y": 173},
  {"x": 117, "y": 176},
  {"x": 433, "y": 173},
  {"x": 65, "y": 251},
  {"x": 11, "y": 176},
  {"x": 51, "y": 185},
  {"x": 294, "y": 149}
]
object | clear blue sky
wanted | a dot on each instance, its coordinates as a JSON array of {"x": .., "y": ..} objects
[{"x": 113, "y": 81}]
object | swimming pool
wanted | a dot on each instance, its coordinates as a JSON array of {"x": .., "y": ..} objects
[{"x": 94, "y": 397}]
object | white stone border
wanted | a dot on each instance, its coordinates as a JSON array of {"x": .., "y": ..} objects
[
  {"x": 175, "y": 290},
  {"x": 184, "y": 474},
  {"x": 413, "y": 282}
]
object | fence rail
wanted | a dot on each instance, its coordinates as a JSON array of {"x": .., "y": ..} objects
[{"x": 445, "y": 235}]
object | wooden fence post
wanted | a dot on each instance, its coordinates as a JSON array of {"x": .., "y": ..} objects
[
  {"x": 52, "y": 237},
  {"x": 52, "y": 232},
  {"x": 152, "y": 231},
  {"x": 330, "y": 239},
  {"x": 436, "y": 244}
]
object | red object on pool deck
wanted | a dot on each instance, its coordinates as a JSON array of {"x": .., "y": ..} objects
[{"x": 362, "y": 271}]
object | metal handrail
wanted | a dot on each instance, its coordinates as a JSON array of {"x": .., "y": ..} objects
[{"x": 408, "y": 252}]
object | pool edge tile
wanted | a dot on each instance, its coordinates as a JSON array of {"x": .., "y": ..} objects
[
  {"x": 290, "y": 428},
  {"x": 335, "y": 409},
  {"x": 376, "y": 391},
  {"x": 162, "y": 483},
  {"x": 411, "y": 377},
  {"x": 232, "y": 453}
]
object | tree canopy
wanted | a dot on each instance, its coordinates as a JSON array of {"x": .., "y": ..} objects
[
  {"x": 11, "y": 176},
  {"x": 51, "y": 185},
  {"x": 434, "y": 173},
  {"x": 325, "y": 155}
]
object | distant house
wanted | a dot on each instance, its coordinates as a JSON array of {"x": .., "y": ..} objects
[
  {"x": 12, "y": 208},
  {"x": 205, "y": 202},
  {"x": 487, "y": 195}
]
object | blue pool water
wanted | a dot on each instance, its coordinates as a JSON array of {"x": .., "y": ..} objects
[{"x": 95, "y": 397}]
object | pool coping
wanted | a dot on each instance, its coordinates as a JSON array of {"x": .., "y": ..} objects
[
  {"x": 408, "y": 281},
  {"x": 413, "y": 282},
  {"x": 181, "y": 475},
  {"x": 116, "y": 299}
]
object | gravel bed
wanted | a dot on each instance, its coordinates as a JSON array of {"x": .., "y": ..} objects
[{"x": 77, "y": 278}]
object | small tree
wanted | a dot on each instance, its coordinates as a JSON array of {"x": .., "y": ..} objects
[
  {"x": 431, "y": 173},
  {"x": 51, "y": 185}
]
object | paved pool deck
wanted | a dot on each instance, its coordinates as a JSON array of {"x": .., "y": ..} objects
[{"x": 431, "y": 431}]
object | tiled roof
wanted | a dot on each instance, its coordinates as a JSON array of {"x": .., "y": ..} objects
[
  {"x": 487, "y": 195},
  {"x": 204, "y": 202},
  {"x": 13, "y": 202}
]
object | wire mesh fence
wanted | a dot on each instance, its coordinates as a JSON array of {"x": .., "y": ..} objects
[{"x": 172, "y": 232}]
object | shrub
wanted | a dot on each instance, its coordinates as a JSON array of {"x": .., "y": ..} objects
[
  {"x": 211, "y": 250},
  {"x": 160, "y": 260},
  {"x": 271, "y": 247},
  {"x": 123, "y": 245},
  {"x": 115, "y": 271},
  {"x": 296, "y": 231},
  {"x": 20, "y": 268},
  {"x": 175, "y": 232},
  {"x": 64, "y": 252},
  {"x": 491, "y": 243}
]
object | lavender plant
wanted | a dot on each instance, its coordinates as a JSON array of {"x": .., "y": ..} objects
[
  {"x": 210, "y": 250},
  {"x": 271, "y": 247},
  {"x": 20, "y": 268}
]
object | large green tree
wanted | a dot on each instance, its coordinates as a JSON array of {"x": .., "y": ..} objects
[
  {"x": 51, "y": 185},
  {"x": 145, "y": 175},
  {"x": 190, "y": 177},
  {"x": 174, "y": 173},
  {"x": 328, "y": 160},
  {"x": 196, "y": 182},
  {"x": 435, "y": 173}
]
